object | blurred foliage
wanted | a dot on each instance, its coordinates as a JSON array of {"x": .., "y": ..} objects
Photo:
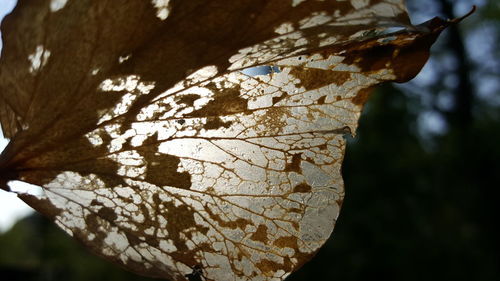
[
  {"x": 491, "y": 11},
  {"x": 418, "y": 206}
]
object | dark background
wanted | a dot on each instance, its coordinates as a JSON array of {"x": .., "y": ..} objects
[{"x": 422, "y": 177}]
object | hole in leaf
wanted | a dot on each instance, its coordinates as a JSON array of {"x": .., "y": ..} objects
[{"x": 261, "y": 70}]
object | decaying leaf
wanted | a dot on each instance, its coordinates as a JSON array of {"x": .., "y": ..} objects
[{"x": 158, "y": 150}]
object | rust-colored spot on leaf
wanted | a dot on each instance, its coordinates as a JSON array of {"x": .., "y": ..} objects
[
  {"x": 107, "y": 214},
  {"x": 260, "y": 234},
  {"x": 94, "y": 227},
  {"x": 294, "y": 165},
  {"x": 162, "y": 168},
  {"x": 240, "y": 223},
  {"x": 268, "y": 266},
  {"x": 180, "y": 225},
  {"x": 214, "y": 123},
  {"x": 286, "y": 241},
  {"x": 132, "y": 239},
  {"x": 313, "y": 78},
  {"x": 226, "y": 101},
  {"x": 362, "y": 96},
  {"x": 302, "y": 188},
  {"x": 321, "y": 100},
  {"x": 188, "y": 99},
  {"x": 279, "y": 98},
  {"x": 372, "y": 58}
]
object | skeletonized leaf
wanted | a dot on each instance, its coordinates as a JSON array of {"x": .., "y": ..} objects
[{"x": 158, "y": 150}]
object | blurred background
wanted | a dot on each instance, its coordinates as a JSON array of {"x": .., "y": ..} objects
[{"x": 422, "y": 177}]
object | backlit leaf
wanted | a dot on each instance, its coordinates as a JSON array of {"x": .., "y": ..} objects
[{"x": 159, "y": 148}]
